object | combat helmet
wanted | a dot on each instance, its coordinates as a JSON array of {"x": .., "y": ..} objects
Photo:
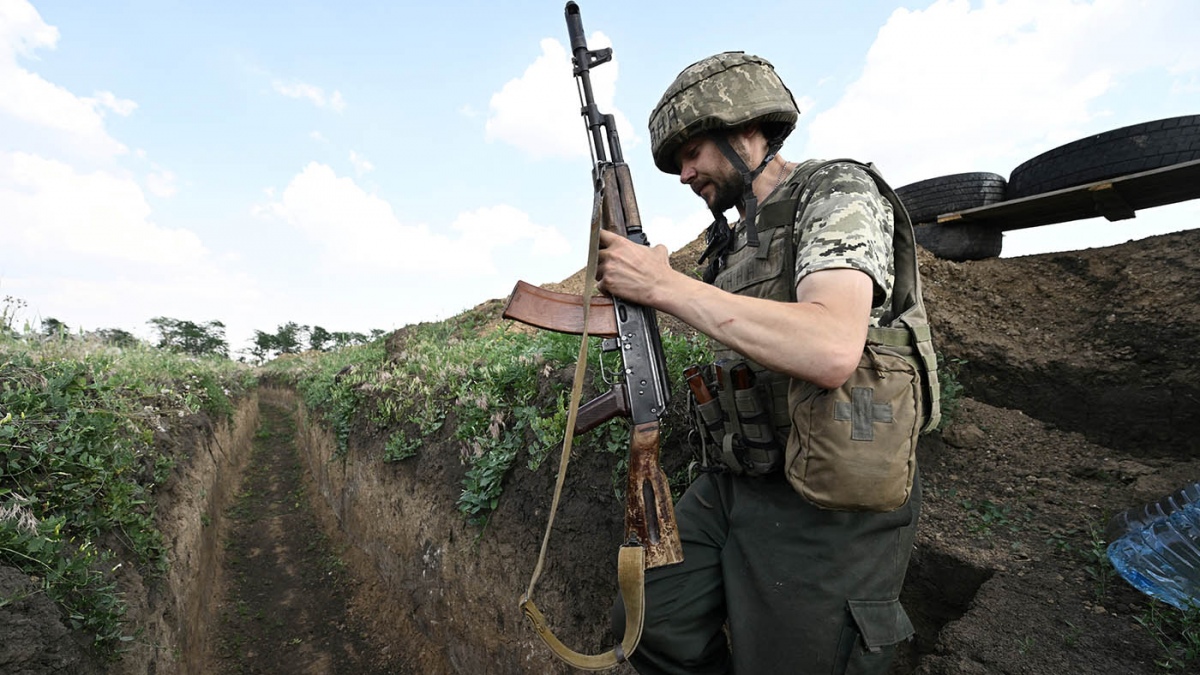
[{"x": 723, "y": 91}]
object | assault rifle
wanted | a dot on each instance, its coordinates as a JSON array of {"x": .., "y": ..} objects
[{"x": 631, "y": 330}]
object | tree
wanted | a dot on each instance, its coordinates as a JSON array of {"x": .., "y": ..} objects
[
  {"x": 191, "y": 338},
  {"x": 290, "y": 338},
  {"x": 343, "y": 338},
  {"x": 9, "y": 308},
  {"x": 54, "y": 328},
  {"x": 318, "y": 337},
  {"x": 264, "y": 345},
  {"x": 117, "y": 337}
]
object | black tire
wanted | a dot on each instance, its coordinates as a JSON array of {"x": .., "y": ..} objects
[
  {"x": 960, "y": 242},
  {"x": 928, "y": 199},
  {"x": 1131, "y": 149}
]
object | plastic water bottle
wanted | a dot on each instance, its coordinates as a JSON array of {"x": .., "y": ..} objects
[{"x": 1156, "y": 547}]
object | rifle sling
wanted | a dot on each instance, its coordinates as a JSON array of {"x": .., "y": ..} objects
[
  {"x": 631, "y": 578},
  {"x": 630, "y": 558}
]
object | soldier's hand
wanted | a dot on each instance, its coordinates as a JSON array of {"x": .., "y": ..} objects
[{"x": 631, "y": 271}]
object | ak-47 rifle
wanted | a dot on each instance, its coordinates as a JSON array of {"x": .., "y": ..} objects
[{"x": 642, "y": 396}]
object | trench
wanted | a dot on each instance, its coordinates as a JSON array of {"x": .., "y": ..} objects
[
  {"x": 938, "y": 589},
  {"x": 332, "y": 563},
  {"x": 285, "y": 602}
]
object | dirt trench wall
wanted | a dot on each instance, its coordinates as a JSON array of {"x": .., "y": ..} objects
[
  {"x": 176, "y": 614},
  {"x": 1101, "y": 341},
  {"x": 440, "y": 592},
  {"x": 170, "y": 616}
]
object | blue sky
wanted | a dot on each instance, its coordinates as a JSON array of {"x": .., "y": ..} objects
[{"x": 360, "y": 165}]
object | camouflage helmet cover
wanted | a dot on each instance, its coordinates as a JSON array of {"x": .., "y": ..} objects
[{"x": 719, "y": 92}]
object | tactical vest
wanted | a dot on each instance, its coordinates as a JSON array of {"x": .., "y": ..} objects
[{"x": 768, "y": 271}]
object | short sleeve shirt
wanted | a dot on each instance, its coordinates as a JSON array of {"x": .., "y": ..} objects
[{"x": 844, "y": 222}]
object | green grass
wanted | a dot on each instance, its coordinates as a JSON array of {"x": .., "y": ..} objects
[
  {"x": 79, "y": 467},
  {"x": 1177, "y": 634},
  {"x": 499, "y": 395}
]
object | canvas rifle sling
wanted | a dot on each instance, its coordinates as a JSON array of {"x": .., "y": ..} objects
[{"x": 631, "y": 558}]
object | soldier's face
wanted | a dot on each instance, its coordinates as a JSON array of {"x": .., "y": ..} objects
[{"x": 710, "y": 175}]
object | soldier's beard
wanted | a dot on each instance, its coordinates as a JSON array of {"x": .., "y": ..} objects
[{"x": 727, "y": 192}]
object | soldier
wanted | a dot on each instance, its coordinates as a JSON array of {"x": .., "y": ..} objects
[{"x": 795, "y": 540}]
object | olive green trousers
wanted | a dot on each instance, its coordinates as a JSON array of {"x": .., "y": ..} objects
[{"x": 772, "y": 584}]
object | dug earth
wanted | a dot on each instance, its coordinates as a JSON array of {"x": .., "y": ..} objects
[{"x": 1080, "y": 397}]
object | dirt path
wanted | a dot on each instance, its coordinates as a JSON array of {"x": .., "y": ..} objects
[{"x": 286, "y": 599}]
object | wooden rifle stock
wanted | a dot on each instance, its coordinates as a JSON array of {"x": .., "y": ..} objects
[{"x": 649, "y": 513}]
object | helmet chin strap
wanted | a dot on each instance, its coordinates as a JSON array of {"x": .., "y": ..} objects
[
  {"x": 749, "y": 201},
  {"x": 719, "y": 237}
]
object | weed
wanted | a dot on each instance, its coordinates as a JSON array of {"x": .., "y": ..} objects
[
  {"x": 1060, "y": 542},
  {"x": 1072, "y": 635},
  {"x": 400, "y": 447},
  {"x": 492, "y": 380},
  {"x": 986, "y": 517},
  {"x": 1177, "y": 634},
  {"x": 952, "y": 389},
  {"x": 1096, "y": 564},
  {"x": 78, "y": 462}
]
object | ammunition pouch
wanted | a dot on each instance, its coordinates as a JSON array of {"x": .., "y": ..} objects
[{"x": 736, "y": 428}]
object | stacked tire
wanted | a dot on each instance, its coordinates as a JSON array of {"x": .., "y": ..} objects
[
  {"x": 1112, "y": 154},
  {"x": 926, "y": 200}
]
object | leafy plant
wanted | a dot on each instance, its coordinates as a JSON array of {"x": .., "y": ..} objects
[
  {"x": 951, "y": 389},
  {"x": 506, "y": 392},
  {"x": 400, "y": 447},
  {"x": 78, "y": 467}
]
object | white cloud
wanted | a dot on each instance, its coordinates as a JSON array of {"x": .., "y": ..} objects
[
  {"x": 361, "y": 164},
  {"x": 311, "y": 92},
  {"x": 56, "y": 213},
  {"x": 117, "y": 299},
  {"x": 22, "y": 30},
  {"x": 489, "y": 228},
  {"x": 80, "y": 240},
  {"x": 957, "y": 87},
  {"x": 29, "y": 102},
  {"x": 161, "y": 182},
  {"x": 106, "y": 99},
  {"x": 539, "y": 111},
  {"x": 360, "y": 232}
]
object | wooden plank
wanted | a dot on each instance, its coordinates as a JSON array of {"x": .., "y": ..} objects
[{"x": 1116, "y": 199}]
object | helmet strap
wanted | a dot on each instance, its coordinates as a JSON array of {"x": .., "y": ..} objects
[
  {"x": 719, "y": 238},
  {"x": 749, "y": 200}
]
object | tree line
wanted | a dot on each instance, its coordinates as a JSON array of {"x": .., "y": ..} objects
[{"x": 208, "y": 338}]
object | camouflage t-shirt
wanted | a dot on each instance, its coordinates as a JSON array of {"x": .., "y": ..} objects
[{"x": 846, "y": 223}]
